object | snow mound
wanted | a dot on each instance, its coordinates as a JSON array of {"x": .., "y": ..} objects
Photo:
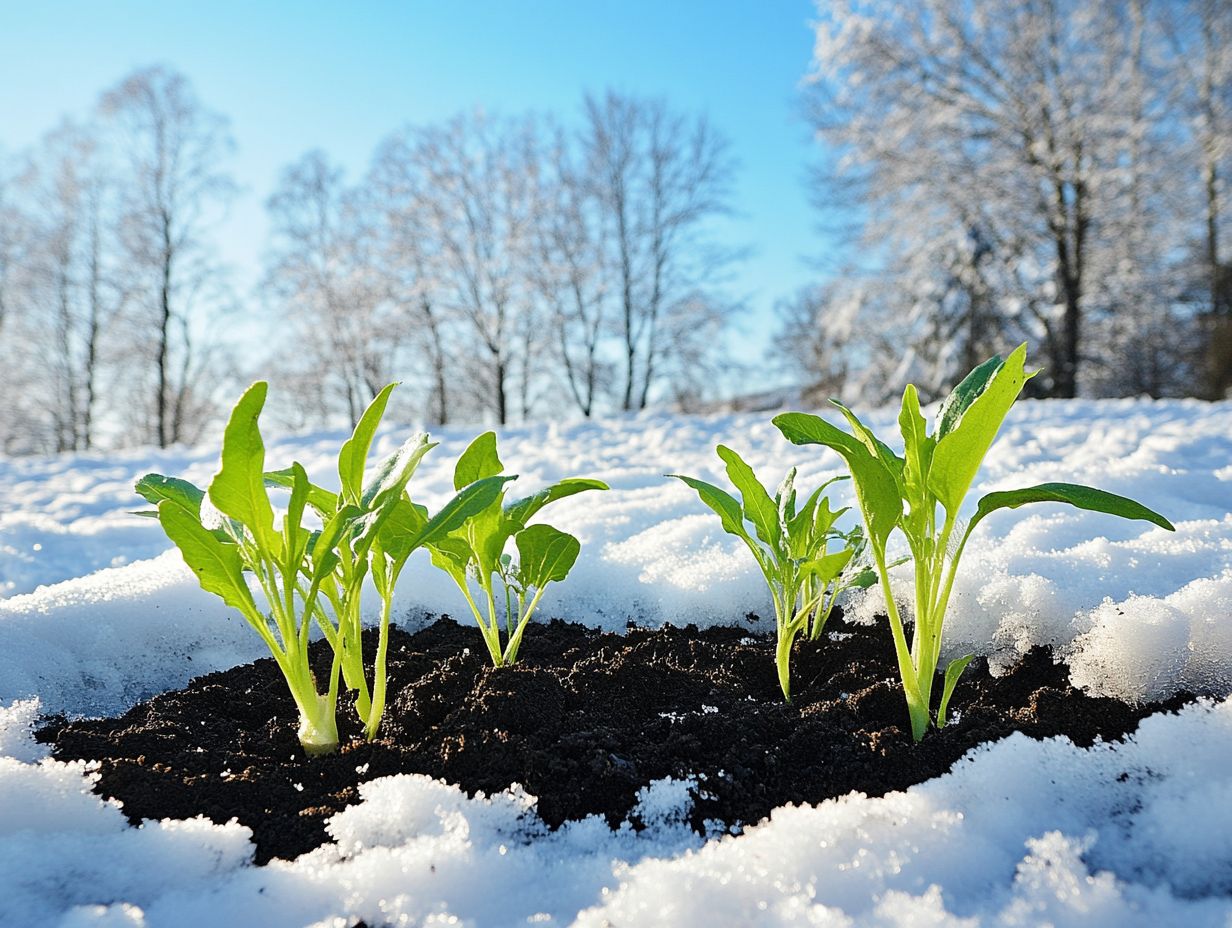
[
  {"x": 1020, "y": 833},
  {"x": 96, "y": 613}
]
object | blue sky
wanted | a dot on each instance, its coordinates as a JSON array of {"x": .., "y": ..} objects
[{"x": 297, "y": 76}]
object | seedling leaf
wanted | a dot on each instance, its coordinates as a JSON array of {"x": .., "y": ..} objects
[
  {"x": 952, "y": 673},
  {"x": 545, "y": 555},
  {"x": 354, "y": 452},
  {"x": 523, "y": 510},
  {"x": 238, "y": 489},
  {"x": 1074, "y": 494},
  {"x": 479, "y": 460},
  {"x": 758, "y": 507}
]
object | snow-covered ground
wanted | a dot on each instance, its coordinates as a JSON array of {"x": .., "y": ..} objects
[{"x": 96, "y": 614}]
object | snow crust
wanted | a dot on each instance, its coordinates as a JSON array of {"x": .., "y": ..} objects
[{"x": 96, "y": 614}]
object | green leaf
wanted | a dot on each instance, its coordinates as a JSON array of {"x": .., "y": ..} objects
[
  {"x": 451, "y": 555},
  {"x": 404, "y": 522},
  {"x": 467, "y": 503},
  {"x": 323, "y": 501},
  {"x": 876, "y": 488},
  {"x": 959, "y": 452},
  {"x": 395, "y": 472},
  {"x": 354, "y": 452},
  {"x": 218, "y": 565},
  {"x": 917, "y": 444},
  {"x": 471, "y": 501},
  {"x": 862, "y": 580},
  {"x": 292, "y": 522},
  {"x": 385, "y": 491},
  {"x": 800, "y": 527},
  {"x": 325, "y": 543},
  {"x": 521, "y": 511},
  {"x": 479, "y": 460},
  {"x": 876, "y": 447},
  {"x": 238, "y": 489},
  {"x": 154, "y": 488},
  {"x": 759, "y": 508},
  {"x": 785, "y": 496},
  {"x": 722, "y": 502},
  {"x": 952, "y": 673},
  {"x": 963, "y": 395},
  {"x": 545, "y": 555},
  {"x": 1074, "y": 494},
  {"x": 823, "y": 521},
  {"x": 827, "y": 567}
]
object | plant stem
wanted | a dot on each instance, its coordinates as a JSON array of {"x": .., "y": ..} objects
[
  {"x": 515, "y": 640},
  {"x": 377, "y": 709},
  {"x": 917, "y": 710}
]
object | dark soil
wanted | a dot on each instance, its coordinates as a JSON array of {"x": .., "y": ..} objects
[{"x": 583, "y": 722}]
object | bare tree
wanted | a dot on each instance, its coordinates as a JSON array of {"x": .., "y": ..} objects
[
  {"x": 22, "y": 425},
  {"x": 477, "y": 192},
  {"x": 1199, "y": 33},
  {"x": 174, "y": 149},
  {"x": 322, "y": 271},
  {"x": 78, "y": 296},
  {"x": 1012, "y": 122},
  {"x": 661, "y": 177},
  {"x": 409, "y": 260},
  {"x": 571, "y": 274}
]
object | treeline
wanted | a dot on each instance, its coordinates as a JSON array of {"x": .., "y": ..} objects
[
  {"x": 504, "y": 267},
  {"x": 1055, "y": 171},
  {"x": 107, "y": 269},
  {"x": 1049, "y": 171}
]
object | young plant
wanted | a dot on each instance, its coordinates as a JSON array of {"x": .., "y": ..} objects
[
  {"x": 921, "y": 494},
  {"x": 289, "y": 563},
  {"x": 793, "y": 549},
  {"x": 375, "y": 527},
  {"x": 296, "y": 567},
  {"x": 510, "y": 589}
]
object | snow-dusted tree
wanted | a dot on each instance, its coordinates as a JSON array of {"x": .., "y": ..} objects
[
  {"x": 22, "y": 420},
  {"x": 661, "y": 178},
  {"x": 174, "y": 187},
  {"x": 409, "y": 259},
  {"x": 1199, "y": 33},
  {"x": 1003, "y": 156},
  {"x": 323, "y": 274},
  {"x": 475, "y": 195},
  {"x": 571, "y": 275},
  {"x": 77, "y": 294}
]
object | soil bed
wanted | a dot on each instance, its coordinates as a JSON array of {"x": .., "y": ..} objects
[{"x": 582, "y": 722}]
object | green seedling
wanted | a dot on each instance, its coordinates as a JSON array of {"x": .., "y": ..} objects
[
  {"x": 921, "y": 494},
  {"x": 298, "y": 569},
  {"x": 510, "y": 588},
  {"x": 806, "y": 561},
  {"x": 288, "y": 563},
  {"x": 377, "y": 527}
]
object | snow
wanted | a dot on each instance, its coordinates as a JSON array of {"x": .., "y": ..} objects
[{"x": 98, "y": 614}]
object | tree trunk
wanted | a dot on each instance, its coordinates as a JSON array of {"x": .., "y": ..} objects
[{"x": 164, "y": 335}]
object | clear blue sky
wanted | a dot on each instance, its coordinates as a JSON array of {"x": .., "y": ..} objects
[{"x": 339, "y": 76}]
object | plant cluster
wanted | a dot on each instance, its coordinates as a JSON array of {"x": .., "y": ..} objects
[
  {"x": 310, "y": 576},
  {"x": 509, "y": 588},
  {"x": 502, "y": 563},
  {"x": 806, "y": 561},
  {"x": 921, "y": 493}
]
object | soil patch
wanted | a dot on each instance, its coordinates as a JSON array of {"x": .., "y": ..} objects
[{"x": 583, "y": 722}]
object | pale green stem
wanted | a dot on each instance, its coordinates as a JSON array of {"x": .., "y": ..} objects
[
  {"x": 373, "y": 722},
  {"x": 353, "y": 658},
  {"x": 916, "y": 709},
  {"x": 944, "y": 602},
  {"x": 494, "y": 649},
  {"x": 515, "y": 640}
]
